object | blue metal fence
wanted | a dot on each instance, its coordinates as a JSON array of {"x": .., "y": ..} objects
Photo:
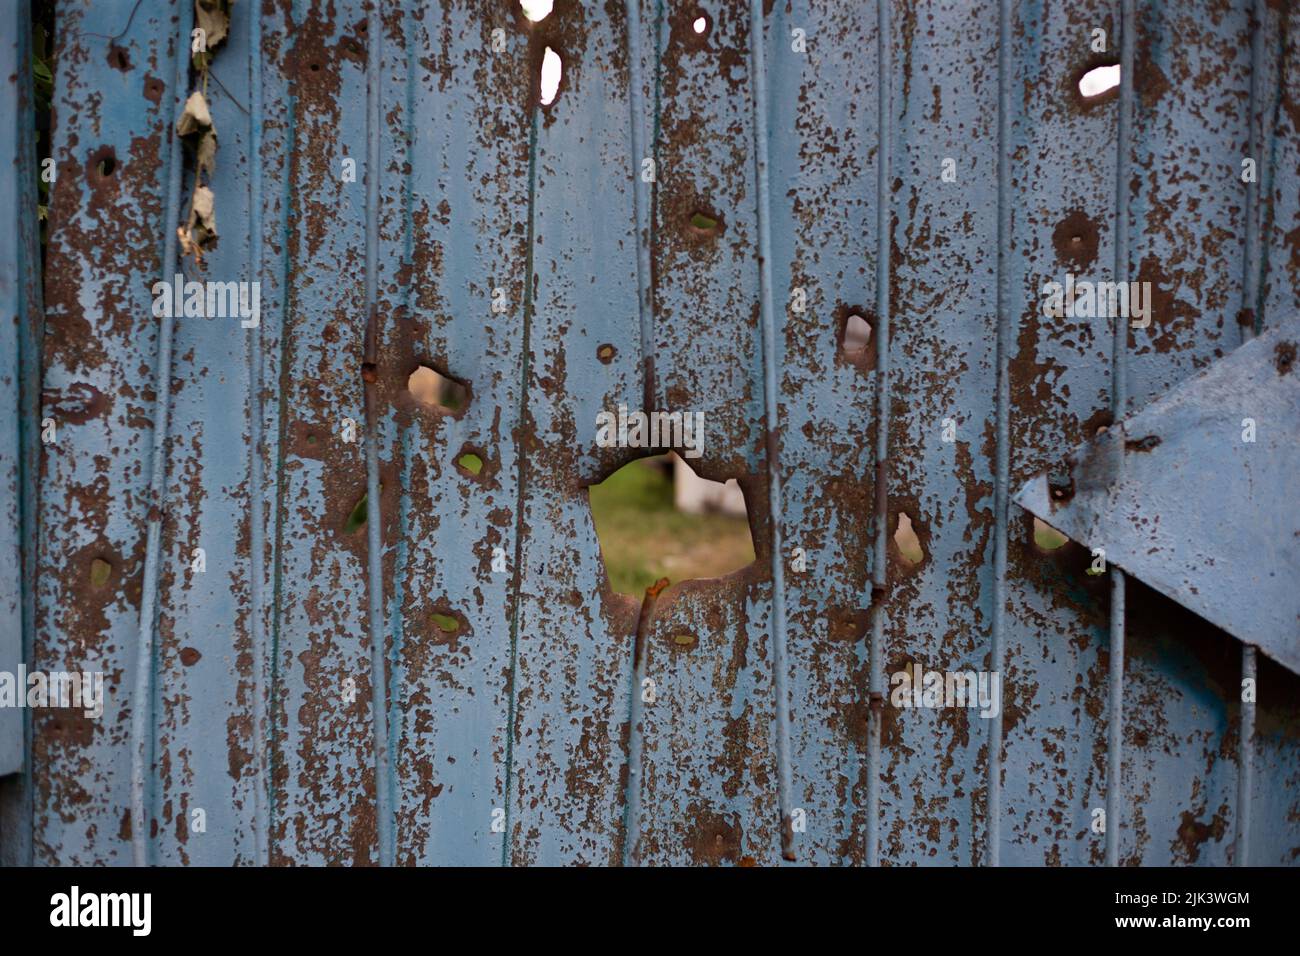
[{"x": 277, "y": 686}]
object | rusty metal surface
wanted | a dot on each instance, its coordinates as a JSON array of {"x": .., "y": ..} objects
[
  {"x": 509, "y": 740},
  {"x": 1193, "y": 494}
]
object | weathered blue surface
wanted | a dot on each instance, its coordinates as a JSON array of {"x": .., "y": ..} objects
[
  {"x": 1193, "y": 494},
  {"x": 509, "y": 739}
]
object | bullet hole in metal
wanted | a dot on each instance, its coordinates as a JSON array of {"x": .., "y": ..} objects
[
  {"x": 357, "y": 517},
  {"x": 606, "y": 353},
  {"x": 704, "y": 224},
  {"x": 440, "y": 392},
  {"x": 701, "y": 24},
  {"x": 315, "y": 67},
  {"x": 536, "y": 10},
  {"x": 104, "y": 162},
  {"x": 655, "y": 518},
  {"x": 855, "y": 340},
  {"x": 118, "y": 58},
  {"x": 445, "y": 623},
  {"x": 552, "y": 72},
  {"x": 1099, "y": 80},
  {"x": 471, "y": 463},
  {"x": 1046, "y": 537},
  {"x": 100, "y": 571},
  {"x": 909, "y": 545}
]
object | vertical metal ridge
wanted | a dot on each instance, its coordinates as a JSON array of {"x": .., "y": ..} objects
[
  {"x": 880, "y": 516},
  {"x": 374, "y": 511},
  {"x": 256, "y": 511},
  {"x": 636, "y": 107},
  {"x": 142, "y": 710},
  {"x": 772, "y": 412},
  {"x": 1002, "y": 452},
  {"x": 1251, "y": 307},
  {"x": 1119, "y": 404},
  {"x": 17, "y": 820},
  {"x": 404, "y": 451},
  {"x": 521, "y": 475},
  {"x": 288, "y": 203},
  {"x": 645, "y": 305}
]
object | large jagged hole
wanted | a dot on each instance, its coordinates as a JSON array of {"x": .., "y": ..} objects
[
  {"x": 442, "y": 393},
  {"x": 656, "y": 518}
]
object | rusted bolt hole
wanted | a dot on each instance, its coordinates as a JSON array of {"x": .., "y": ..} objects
[
  {"x": 606, "y": 353},
  {"x": 551, "y": 75},
  {"x": 440, "y": 392},
  {"x": 315, "y": 67},
  {"x": 909, "y": 545},
  {"x": 104, "y": 162},
  {"x": 471, "y": 462},
  {"x": 1060, "y": 482}
]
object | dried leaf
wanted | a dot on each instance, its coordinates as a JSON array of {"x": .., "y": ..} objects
[
  {"x": 203, "y": 211},
  {"x": 207, "y": 153},
  {"x": 213, "y": 18},
  {"x": 196, "y": 117}
]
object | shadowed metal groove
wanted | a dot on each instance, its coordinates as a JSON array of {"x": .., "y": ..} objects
[
  {"x": 142, "y": 711},
  {"x": 374, "y": 516},
  {"x": 772, "y": 415},
  {"x": 879, "y": 571},
  {"x": 645, "y": 305},
  {"x": 288, "y": 199},
  {"x": 256, "y": 511},
  {"x": 521, "y": 481},
  {"x": 1249, "y": 322},
  {"x": 1002, "y": 453},
  {"x": 1119, "y": 403},
  {"x": 636, "y": 109}
]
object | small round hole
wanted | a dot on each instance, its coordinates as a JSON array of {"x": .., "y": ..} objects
[
  {"x": 1099, "y": 80},
  {"x": 700, "y": 25},
  {"x": 606, "y": 353},
  {"x": 100, "y": 570},
  {"x": 703, "y": 222},
  {"x": 552, "y": 71},
  {"x": 315, "y": 67}
]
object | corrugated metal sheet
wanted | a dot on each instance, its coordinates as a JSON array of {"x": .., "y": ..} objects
[{"x": 817, "y": 136}]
